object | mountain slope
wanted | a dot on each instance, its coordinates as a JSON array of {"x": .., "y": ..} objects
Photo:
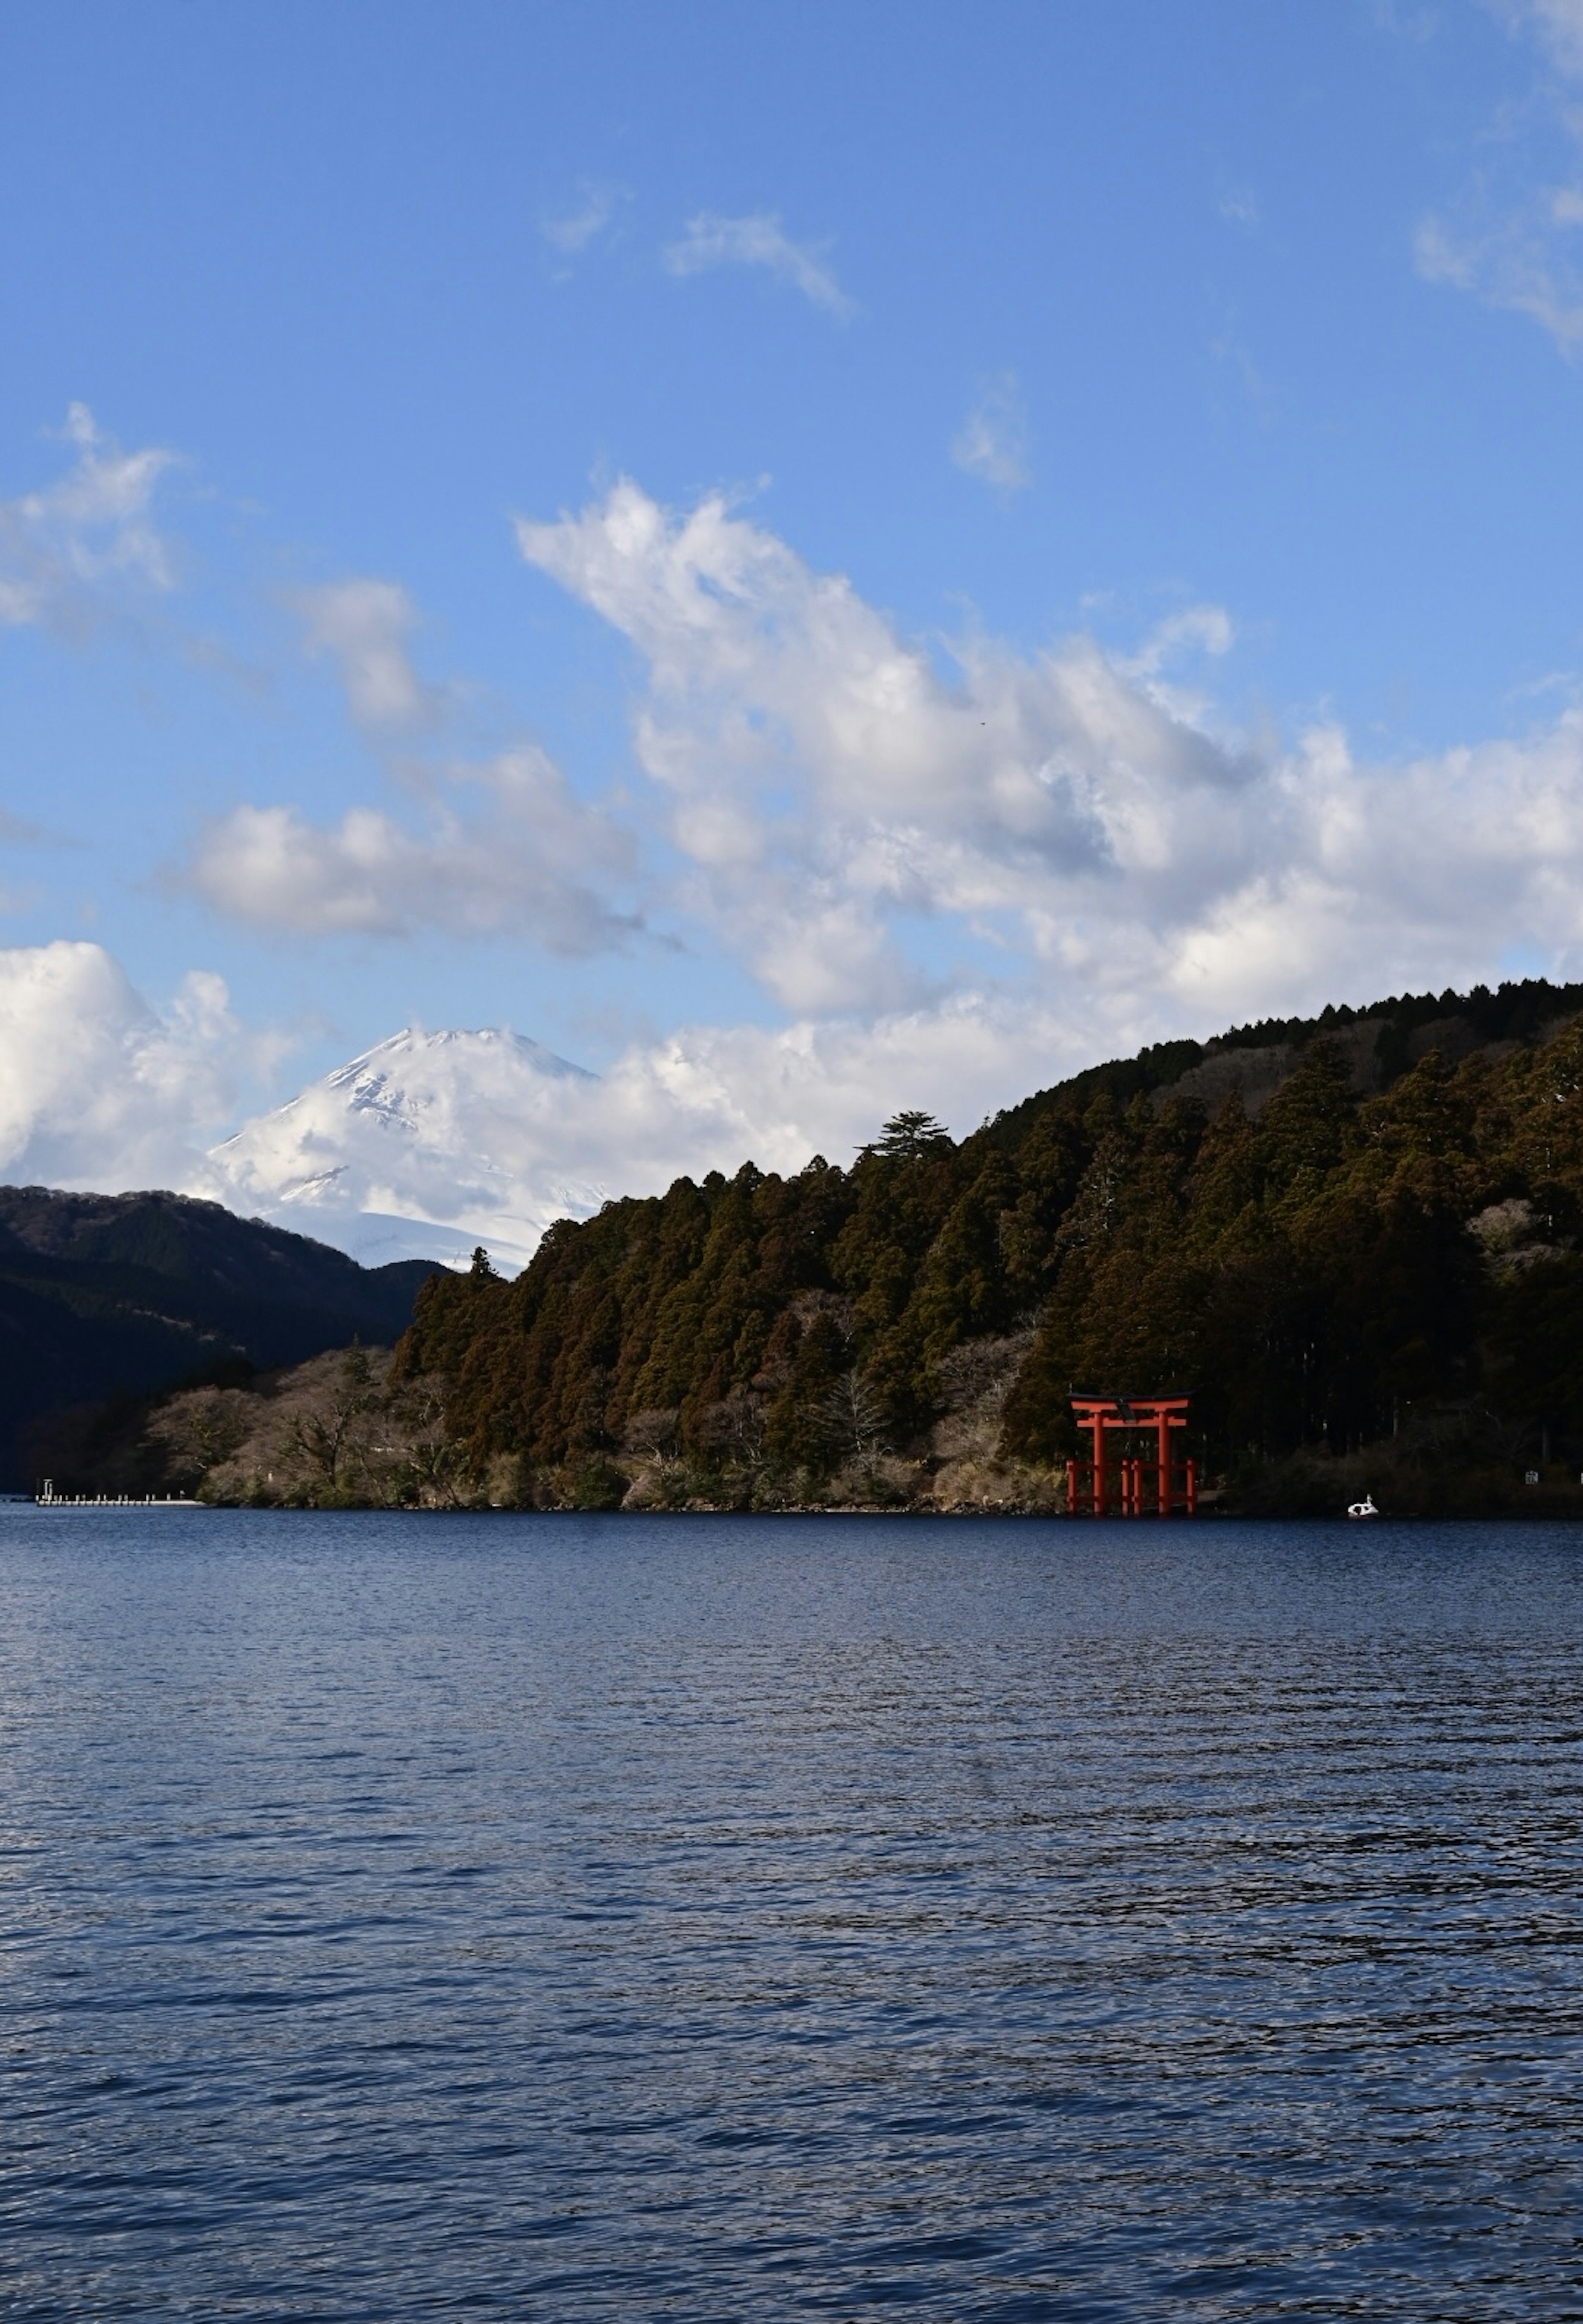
[
  {"x": 1355, "y": 1227},
  {"x": 104, "y": 1295},
  {"x": 421, "y": 1148}
]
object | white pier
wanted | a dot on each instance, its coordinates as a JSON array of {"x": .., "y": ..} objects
[{"x": 50, "y": 1500}]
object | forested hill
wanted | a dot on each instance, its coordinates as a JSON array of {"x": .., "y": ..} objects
[
  {"x": 1331, "y": 1232},
  {"x": 112, "y": 1295}
]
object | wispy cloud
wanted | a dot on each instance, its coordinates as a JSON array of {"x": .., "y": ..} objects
[
  {"x": 571, "y": 232},
  {"x": 1406, "y": 20},
  {"x": 993, "y": 442},
  {"x": 363, "y": 625},
  {"x": 17, "y": 831},
  {"x": 62, "y": 549},
  {"x": 1519, "y": 264},
  {"x": 1511, "y": 238},
  {"x": 1238, "y": 206},
  {"x": 1558, "y": 24},
  {"x": 758, "y": 240},
  {"x": 503, "y": 848}
]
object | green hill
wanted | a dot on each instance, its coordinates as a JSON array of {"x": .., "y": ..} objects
[{"x": 1351, "y": 1238}]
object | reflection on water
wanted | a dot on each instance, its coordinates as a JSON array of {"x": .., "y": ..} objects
[{"x": 572, "y": 1918}]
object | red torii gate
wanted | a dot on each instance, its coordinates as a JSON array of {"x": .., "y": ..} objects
[{"x": 1099, "y": 1414}]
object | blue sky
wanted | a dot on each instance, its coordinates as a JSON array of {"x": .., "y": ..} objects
[{"x": 975, "y": 534}]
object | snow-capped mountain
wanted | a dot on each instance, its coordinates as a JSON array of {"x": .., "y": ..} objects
[{"x": 422, "y": 1149}]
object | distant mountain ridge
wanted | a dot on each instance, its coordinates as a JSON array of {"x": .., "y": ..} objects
[{"x": 104, "y": 1295}]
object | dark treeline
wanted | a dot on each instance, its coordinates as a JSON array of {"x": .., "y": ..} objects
[
  {"x": 116, "y": 1296},
  {"x": 1346, "y": 1232}
]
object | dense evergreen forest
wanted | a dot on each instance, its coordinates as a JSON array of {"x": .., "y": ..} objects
[{"x": 1352, "y": 1238}]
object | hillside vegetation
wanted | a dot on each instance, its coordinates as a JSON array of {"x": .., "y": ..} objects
[
  {"x": 1352, "y": 1238},
  {"x": 112, "y": 1295}
]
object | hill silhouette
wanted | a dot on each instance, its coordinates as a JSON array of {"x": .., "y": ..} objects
[{"x": 107, "y": 1296}]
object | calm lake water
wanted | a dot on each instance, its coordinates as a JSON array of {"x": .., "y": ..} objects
[{"x": 569, "y": 1918}]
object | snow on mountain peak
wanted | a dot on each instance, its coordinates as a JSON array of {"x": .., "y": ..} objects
[{"x": 425, "y": 1145}]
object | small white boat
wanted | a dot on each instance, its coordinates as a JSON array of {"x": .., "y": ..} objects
[{"x": 1363, "y": 1508}]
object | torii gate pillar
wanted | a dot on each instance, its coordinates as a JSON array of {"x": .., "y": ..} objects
[{"x": 1101, "y": 1413}]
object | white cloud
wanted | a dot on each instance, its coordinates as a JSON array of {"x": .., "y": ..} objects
[
  {"x": 500, "y": 848},
  {"x": 508, "y": 849},
  {"x": 62, "y": 547},
  {"x": 710, "y": 1097},
  {"x": 825, "y": 781},
  {"x": 993, "y": 441},
  {"x": 1136, "y": 863},
  {"x": 99, "y": 1090},
  {"x": 711, "y": 241},
  {"x": 1239, "y": 206},
  {"x": 365, "y": 625},
  {"x": 571, "y": 232}
]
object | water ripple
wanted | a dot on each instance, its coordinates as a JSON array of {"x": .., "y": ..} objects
[{"x": 589, "y": 1919}]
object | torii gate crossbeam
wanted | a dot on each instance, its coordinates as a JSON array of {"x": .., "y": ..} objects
[{"x": 1132, "y": 1474}]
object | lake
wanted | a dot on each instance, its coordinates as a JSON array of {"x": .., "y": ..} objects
[{"x": 573, "y": 1918}]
